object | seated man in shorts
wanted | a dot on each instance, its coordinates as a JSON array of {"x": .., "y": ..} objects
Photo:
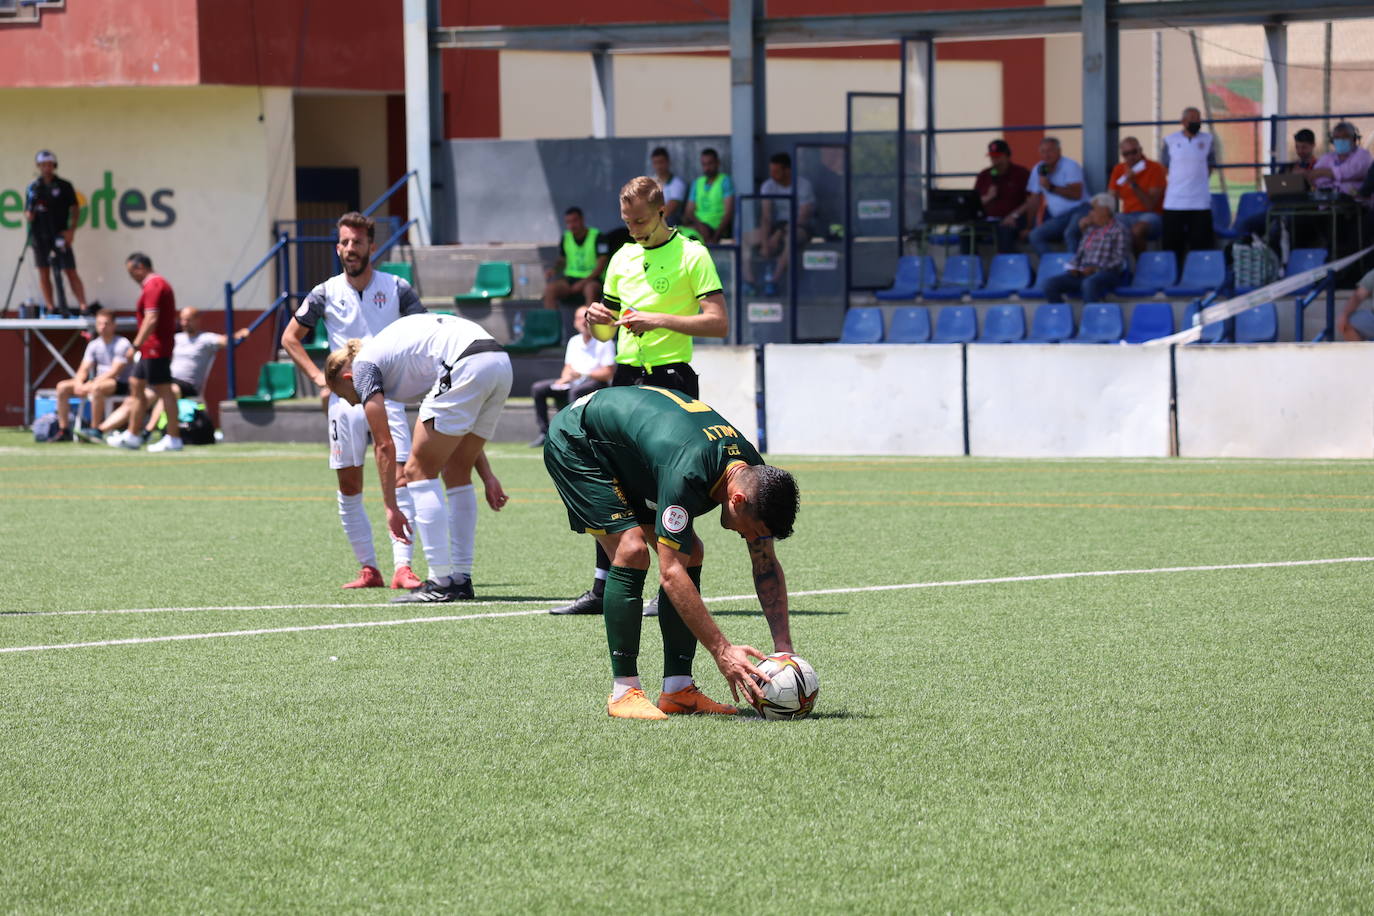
[{"x": 104, "y": 371}]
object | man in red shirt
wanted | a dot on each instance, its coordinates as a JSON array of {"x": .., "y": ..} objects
[
  {"x": 157, "y": 328},
  {"x": 1002, "y": 188}
]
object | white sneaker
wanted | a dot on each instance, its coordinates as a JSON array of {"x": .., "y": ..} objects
[
  {"x": 115, "y": 439},
  {"x": 166, "y": 444},
  {"x": 130, "y": 441}
]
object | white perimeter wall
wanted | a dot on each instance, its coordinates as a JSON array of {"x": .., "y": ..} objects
[
  {"x": 1072, "y": 401},
  {"x": 225, "y": 174},
  {"x": 839, "y": 399},
  {"x": 1276, "y": 401},
  {"x": 728, "y": 382}
]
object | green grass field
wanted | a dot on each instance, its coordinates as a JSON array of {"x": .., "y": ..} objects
[{"x": 1164, "y": 740}]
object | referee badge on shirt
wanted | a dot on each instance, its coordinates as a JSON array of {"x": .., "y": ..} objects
[{"x": 659, "y": 284}]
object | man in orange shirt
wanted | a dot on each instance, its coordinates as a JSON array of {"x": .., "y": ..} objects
[{"x": 1138, "y": 184}]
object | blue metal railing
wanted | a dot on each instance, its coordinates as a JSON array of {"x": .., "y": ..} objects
[{"x": 279, "y": 255}]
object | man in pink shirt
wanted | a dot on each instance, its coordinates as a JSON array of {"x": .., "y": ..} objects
[{"x": 1343, "y": 169}]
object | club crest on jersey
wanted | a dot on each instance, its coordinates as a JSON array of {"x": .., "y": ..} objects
[
  {"x": 379, "y": 299},
  {"x": 675, "y": 519}
]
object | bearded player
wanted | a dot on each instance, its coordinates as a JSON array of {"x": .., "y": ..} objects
[
  {"x": 355, "y": 305},
  {"x": 635, "y": 467}
]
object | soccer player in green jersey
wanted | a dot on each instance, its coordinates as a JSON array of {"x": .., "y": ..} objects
[
  {"x": 661, "y": 291},
  {"x": 636, "y": 466}
]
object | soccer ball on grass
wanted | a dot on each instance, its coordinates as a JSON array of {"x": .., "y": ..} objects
[{"x": 792, "y": 692}]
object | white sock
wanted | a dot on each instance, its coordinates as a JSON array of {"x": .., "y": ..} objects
[
  {"x": 431, "y": 521},
  {"x": 401, "y": 552},
  {"x": 462, "y": 527},
  {"x": 675, "y": 682},
  {"x": 357, "y": 528},
  {"x": 624, "y": 685}
]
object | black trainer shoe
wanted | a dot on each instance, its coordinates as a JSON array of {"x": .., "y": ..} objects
[
  {"x": 89, "y": 434},
  {"x": 463, "y": 590},
  {"x": 63, "y": 435},
  {"x": 585, "y": 603},
  {"x": 431, "y": 592}
]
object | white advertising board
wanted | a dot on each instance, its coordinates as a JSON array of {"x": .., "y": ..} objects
[
  {"x": 1063, "y": 400},
  {"x": 840, "y": 399},
  {"x": 727, "y": 384},
  {"x": 1286, "y": 400}
]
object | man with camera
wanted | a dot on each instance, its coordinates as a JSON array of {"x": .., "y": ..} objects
[{"x": 52, "y": 212}]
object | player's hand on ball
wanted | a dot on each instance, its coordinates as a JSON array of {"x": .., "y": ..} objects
[
  {"x": 745, "y": 680},
  {"x": 597, "y": 313},
  {"x": 400, "y": 527}
]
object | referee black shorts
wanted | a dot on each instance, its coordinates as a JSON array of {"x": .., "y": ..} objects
[
  {"x": 157, "y": 371},
  {"x": 677, "y": 376},
  {"x": 47, "y": 254}
]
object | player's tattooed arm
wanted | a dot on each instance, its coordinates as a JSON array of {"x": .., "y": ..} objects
[{"x": 771, "y": 586}]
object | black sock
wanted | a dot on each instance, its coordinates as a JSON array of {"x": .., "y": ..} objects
[{"x": 679, "y": 644}]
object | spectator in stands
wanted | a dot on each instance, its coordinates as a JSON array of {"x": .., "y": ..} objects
[
  {"x": 710, "y": 210},
  {"x": 1345, "y": 167},
  {"x": 771, "y": 240},
  {"x": 1096, "y": 267},
  {"x": 674, "y": 188},
  {"x": 157, "y": 321},
  {"x": 1355, "y": 323},
  {"x": 587, "y": 365},
  {"x": 580, "y": 264},
  {"x": 1002, "y": 187},
  {"x": 1057, "y": 188},
  {"x": 1138, "y": 183},
  {"x": 1190, "y": 156},
  {"x": 104, "y": 371},
  {"x": 52, "y": 211},
  {"x": 1305, "y": 151}
]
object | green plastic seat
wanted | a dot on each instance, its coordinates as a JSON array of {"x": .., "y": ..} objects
[
  {"x": 318, "y": 341},
  {"x": 543, "y": 328},
  {"x": 402, "y": 269},
  {"x": 493, "y": 281},
  {"x": 276, "y": 382}
]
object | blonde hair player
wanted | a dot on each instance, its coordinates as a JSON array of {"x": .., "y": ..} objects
[
  {"x": 461, "y": 376},
  {"x": 357, "y": 303}
]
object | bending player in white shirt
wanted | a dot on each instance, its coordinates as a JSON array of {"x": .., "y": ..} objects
[
  {"x": 356, "y": 304},
  {"x": 462, "y": 377}
]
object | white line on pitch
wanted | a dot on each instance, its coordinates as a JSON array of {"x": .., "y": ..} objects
[
  {"x": 244, "y": 607},
  {"x": 141, "y": 640}
]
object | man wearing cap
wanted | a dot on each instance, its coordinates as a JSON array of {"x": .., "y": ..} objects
[
  {"x": 1002, "y": 189},
  {"x": 52, "y": 210}
]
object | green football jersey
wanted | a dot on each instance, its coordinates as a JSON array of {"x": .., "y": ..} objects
[{"x": 667, "y": 451}]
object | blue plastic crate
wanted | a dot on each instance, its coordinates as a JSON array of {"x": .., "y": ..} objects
[{"x": 45, "y": 404}]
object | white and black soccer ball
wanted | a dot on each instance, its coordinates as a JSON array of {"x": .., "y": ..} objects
[{"x": 792, "y": 692}]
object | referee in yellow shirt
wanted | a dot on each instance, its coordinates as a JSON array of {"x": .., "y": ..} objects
[{"x": 661, "y": 290}]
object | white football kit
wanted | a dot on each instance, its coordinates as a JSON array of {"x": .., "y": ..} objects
[{"x": 347, "y": 314}]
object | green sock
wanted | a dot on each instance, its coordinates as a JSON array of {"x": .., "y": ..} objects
[
  {"x": 679, "y": 645},
  {"x": 623, "y": 605}
]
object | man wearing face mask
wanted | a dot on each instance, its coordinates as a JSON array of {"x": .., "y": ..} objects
[
  {"x": 661, "y": 291},
  {"x": 1344, "y": 168},
  {"x": 1190, "y": 156}
]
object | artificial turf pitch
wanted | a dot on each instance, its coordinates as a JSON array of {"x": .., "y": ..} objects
[{"x": 1195, "y": 740}]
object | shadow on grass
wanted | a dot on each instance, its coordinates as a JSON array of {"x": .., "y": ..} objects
[
  {"x": 755, "y": 612},
  {"x": 750, "y": 716}
]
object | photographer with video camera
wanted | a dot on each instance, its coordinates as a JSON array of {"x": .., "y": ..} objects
[{"x": 52, "y": 212}]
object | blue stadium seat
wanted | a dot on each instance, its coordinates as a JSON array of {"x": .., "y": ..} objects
[
  {"x": 1051, "y": 265},
  {"x": 1251, "y": 204},
  {"x": 1214, "y": 333},
  {"x": 1008, "y": 274},
  {"x": 1300, "y": 259},
  {"x": 862, "y": 325},
  {"x": 1221, "y": 212},
  {"x": 1101, "y": 323},
  {"x": 1154, "y": 270},
  {"x": 963, "y": 273},
  {"x": 914, "y": 273},
  {"x": 1051, "y": 323},
  {"x": 956, "y": 324},
  {"x": 909, "y": 324},
  {"x": 1003, "y": 324},
  {"x": 1258, "y": 325},
  {"x": 1203, "y": 271},
  {"x": 1150, "y": 320}
]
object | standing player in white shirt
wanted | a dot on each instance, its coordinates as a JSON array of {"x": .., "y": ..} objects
[
  {"x": 357, "y": 304},
  {"x": 462, "y": 377}
]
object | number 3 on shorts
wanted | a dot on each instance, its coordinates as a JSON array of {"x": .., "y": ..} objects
[{"x": 688, "y": 404}]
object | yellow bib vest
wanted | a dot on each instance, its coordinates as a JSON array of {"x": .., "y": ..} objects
[{"x": 579, "y": 259}]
